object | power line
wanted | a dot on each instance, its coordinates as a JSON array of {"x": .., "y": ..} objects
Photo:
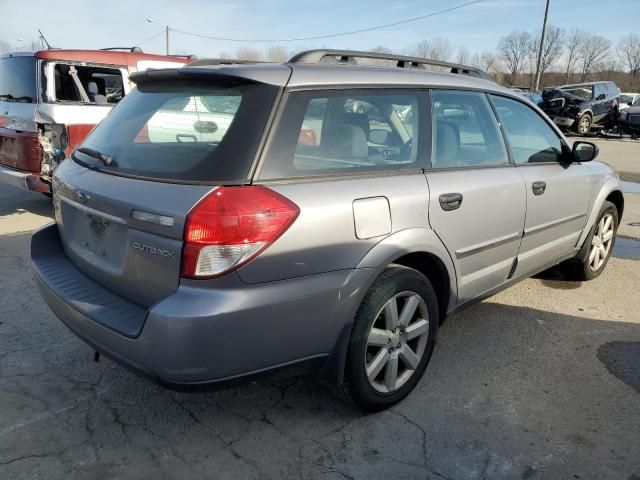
[
  {"x": 149, "y": 39},
  {"x": 320, "y": 37}
]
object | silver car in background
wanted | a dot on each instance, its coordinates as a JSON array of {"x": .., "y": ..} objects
[{"x": 226, "y": 220}]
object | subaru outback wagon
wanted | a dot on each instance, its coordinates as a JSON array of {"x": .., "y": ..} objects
[{"x": 337, "y": 216}]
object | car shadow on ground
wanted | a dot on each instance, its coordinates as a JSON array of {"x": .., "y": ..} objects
[
  {"x": 14, "y": 201},
  {"x": 512, "y": 392}
]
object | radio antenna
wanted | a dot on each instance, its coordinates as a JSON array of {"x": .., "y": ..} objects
[{"x": 42, "y": 37}]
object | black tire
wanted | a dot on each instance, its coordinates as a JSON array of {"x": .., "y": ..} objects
[
  {"x": 579, "y": 269},
  {"x": 583, "y": 124},
  {"x": 393, "y": 280}
]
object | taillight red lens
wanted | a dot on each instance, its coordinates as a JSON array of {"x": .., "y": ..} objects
[{"x": 232, "y": 225}]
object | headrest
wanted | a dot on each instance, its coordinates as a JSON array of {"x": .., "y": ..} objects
[
  {"x": 345, "y": 141},
  {"x": 92, "y": 87}
]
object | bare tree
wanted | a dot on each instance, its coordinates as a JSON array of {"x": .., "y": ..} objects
[
  {"x": 379, "y": 49},
  {"x": 438, "y": 48},
  {"x": 574, "y": 40},
  {"x": 463, "y": 56},
  {"x": 246, "y": 53},
  {"x": 628, "y": 50},
  {"x": 551, "y": 50},
  {"x": 441, "y": 49},
  {"x": 592, "y": 50},
  {"x": 514, "y": 49},
  {"x": 277, "y": 53}
]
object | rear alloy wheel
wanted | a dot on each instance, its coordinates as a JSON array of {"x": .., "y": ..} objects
[
  {"x": 584, "y": 124},
  {"x": 392, "y": 339}
]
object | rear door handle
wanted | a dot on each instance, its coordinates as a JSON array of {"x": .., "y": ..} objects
[
  {"x": 450, "y": 201},
  {"x": 538, "y": 188}
]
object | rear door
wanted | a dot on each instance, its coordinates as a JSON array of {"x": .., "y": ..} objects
[
  {"x": 558, "y": 194},
  {"x": 476, "y": 196},
  {"x": 122, "y": 223}
]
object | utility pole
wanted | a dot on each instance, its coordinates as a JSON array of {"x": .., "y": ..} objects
[
  {"x": 542, "y": 37},
  {"x": 166, "y": 31}
]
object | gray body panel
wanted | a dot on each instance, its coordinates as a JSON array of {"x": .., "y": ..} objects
[{"x": 297, "y": 298}]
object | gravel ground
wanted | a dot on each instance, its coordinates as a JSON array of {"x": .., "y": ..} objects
[{"x": 540, "y": 381}]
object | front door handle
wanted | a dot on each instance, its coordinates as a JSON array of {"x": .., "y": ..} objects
[
  {"x": 450, "y": 201},
  {"x": 538, "y": 188}
]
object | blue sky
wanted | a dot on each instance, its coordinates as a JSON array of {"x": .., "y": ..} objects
[{"x": 96, "y": 24}]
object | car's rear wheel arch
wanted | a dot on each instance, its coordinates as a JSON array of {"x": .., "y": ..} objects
[{"x": 434, "y": 269}]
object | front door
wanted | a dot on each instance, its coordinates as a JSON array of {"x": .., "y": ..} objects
[
  {"x": 476, "y": 197},
  {"x": 558, "y": 194}
]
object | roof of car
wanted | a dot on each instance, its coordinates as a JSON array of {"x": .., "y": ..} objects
[
  {"x": 301, "y": 75},
  {"x": 115, "y": 57},
  {"x": 584, "y": 84}
]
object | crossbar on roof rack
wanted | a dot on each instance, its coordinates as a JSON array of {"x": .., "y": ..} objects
[{"x": 348, "y": 57}]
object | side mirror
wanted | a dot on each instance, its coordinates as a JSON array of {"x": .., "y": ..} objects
[
  {"x": 205, "y": 127},
  {"x": 630, "y": 104},
  {"x": 379, "y": 136},
  {"x": 584, "y": 151}
]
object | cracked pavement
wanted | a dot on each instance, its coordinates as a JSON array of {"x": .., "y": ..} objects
[{"x": 540, "y": 381}]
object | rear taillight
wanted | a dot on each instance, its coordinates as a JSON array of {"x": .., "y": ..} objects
[{"x": 232, "y": 225}]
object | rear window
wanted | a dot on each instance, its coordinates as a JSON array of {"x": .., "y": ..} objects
[
  {"x": 18, "y": 79},
  {"x": 586, "y": 93},
  {"x": 195, "y": 133},
  {"x": 336, "y": 132}
]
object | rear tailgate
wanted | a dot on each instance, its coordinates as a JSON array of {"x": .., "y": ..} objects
[
  {"x": 122, "y": 200},
  {"x": 125, "y": 234}
]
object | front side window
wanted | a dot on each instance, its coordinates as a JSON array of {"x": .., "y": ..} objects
[
  {"x": 465, "y": 131},
  {"x": 531, "y": 139},
  {"x": 323, "y": 133},
  {"x": 87, "y": 84}
]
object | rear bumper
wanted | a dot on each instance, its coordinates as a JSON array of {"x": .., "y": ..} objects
[
  {"x": 214, "y": 331},
  {"x": 22, "y": 180}
]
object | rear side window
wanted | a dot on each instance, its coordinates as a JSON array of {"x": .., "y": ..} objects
[
  {"x": 531, "y": 139},
  {"x": 323, "y": 133},
  {"x": 186, "y": 132},
  {"x": 465, "y": 131}
]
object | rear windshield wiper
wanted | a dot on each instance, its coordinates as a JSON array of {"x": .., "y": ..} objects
[{"x": 108, "y": 160}]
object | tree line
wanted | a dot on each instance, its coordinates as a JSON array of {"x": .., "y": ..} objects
[{"x": 567, "y": 56}]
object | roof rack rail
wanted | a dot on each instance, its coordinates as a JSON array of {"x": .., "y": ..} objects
[
  {"x": 348, "y": 57},
  {"x": 127, "y": 49},
  {"x": 221, "y": 61}
]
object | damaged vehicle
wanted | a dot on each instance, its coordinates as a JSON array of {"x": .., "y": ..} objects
[
  {"x": 630, "y": 120},
  {"x": 50, "y": 100},
  {"x": 582, "y": 107}
]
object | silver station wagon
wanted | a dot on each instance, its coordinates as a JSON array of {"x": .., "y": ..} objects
[{"x": 226, "y": 220}]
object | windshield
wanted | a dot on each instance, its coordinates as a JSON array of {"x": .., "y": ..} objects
[
  {"x": 200, "y": 133},
  {"x": 581, "y": 92},
  {"x": 624, "y": 99},
  {"x": 18, "y": 79}
]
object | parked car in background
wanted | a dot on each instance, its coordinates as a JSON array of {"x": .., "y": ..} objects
[
  {"x": 630, "y": 119},
  {"x": 307, "y": 231},
  {"x": 534, "y": 97},
  {"x": 626, "y": 100},
  {"x": 50, "y": 100},
  {"x": 582, "y": 107}
]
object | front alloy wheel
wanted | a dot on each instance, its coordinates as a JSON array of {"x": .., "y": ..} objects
[{"x": 601, "y": 242}]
